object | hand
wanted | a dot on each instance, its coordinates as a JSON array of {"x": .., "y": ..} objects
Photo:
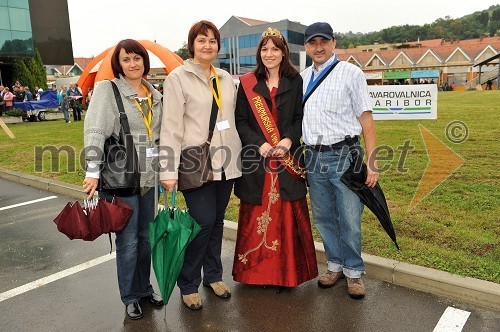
[
  {"x": 90, "y": 186},
  {"x": 169, "y": 185},
  {"x": 282, "y": 148},
  {"x": 372, "y": 174},
  {"x": 266, "y": 150}
]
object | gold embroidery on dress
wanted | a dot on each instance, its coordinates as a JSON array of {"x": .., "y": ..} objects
[{"x": 263, "y": 222}]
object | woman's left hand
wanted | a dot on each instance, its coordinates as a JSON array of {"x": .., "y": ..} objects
[{"x": 282, "y": 148}]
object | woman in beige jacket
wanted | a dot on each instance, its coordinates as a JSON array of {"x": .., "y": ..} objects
[{"x": 188, "y": 97}]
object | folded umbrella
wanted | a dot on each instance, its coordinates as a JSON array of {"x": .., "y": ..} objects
[
  {"x": 72, "y": 221},
  {"x": 354, "y": 178},
  {"x": 170, "y": 233},
  {"x": 94, "y": 219}
]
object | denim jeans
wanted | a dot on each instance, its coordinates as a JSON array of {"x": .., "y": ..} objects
[
  {"x": 336, "y": 210},
  {"x": 207, "y": 206},
  {"x": 133, "y": 250},
  {"x": 66, "y": 115}
]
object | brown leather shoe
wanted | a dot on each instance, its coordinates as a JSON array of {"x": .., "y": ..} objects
[
  {"x": 220, "y": 289},
  {"x": 192, "y": 301},
  {"x": 329, "y": 278},
  {"x": 355, "y": 288}
]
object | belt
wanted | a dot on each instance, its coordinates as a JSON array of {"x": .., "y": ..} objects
[{"x": 335, "y": 146}]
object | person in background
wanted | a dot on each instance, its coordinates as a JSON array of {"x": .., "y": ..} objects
[
  {"x": 189, "y": 93},
  {"x": 339, "y": 107},
  {"x": 65, "y": 107},
  {"x": 8, "y": 99},
  {"x": 19, "y": 93},
  {"x": 143, "y": 107},
  {"x": 76, "y": 104},
  {"x": 2, "y": 101},
  {"x": 28, "y": 94},
  {"x": 274, "y": 245}
]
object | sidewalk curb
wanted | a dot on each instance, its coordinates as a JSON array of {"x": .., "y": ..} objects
[{"x": 466, "y": 289}]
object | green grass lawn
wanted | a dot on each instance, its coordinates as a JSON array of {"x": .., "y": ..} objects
[{"x": 455, "y": 228}]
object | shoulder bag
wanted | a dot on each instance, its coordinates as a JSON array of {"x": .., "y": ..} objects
[
  {"x": 195, "y": 167},
  {"x": 119, "y": 175}
]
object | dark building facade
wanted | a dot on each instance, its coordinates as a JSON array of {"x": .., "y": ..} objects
[{"x": 29, "y": 24}]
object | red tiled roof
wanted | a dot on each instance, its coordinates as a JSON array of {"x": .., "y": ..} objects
[
  {"x": 83, "y": 62},
  {"x": 251, "y": 21}
]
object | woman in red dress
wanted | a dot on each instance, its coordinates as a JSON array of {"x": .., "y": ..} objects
[{"x": 274, "y": 245}]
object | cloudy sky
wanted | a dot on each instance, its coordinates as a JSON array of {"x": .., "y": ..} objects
[{"x": 99, "y": 24}]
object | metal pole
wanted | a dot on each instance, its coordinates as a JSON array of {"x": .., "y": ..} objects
[{"x": 498, "y": 76}]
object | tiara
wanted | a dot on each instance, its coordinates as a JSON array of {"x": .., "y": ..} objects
[{"x": 272, "y": 32}]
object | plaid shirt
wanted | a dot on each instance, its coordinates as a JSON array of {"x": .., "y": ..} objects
[{"x": 333, "y": 109}]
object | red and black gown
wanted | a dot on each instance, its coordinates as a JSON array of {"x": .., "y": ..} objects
[{"x": 274, "y": 245}]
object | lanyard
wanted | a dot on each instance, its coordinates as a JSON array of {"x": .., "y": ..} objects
[
  {"x": 312, "y": 81},
  {"x": 217, "y": 94},
  {"x": 149, "y": 118}
]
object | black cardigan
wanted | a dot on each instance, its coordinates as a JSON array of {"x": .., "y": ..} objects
[{"x": 289, "y": 104}]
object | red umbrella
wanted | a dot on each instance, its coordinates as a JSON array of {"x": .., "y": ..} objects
[
  {"x": 73, "y": 222},
  {"x": 97, "y": 218}
]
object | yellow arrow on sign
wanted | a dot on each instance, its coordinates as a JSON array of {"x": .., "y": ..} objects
[
  {"x": 443, "y": 161},
  {"x": 6, "y": 129}
]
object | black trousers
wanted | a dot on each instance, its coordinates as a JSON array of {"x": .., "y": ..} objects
[
  {"x": 207, "y": 206},
  {"x": 77, "y": 112}
]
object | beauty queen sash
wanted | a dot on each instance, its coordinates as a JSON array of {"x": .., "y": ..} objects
[{"x": 267, "y": 124}]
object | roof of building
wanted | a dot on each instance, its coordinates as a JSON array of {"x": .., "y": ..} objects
[{"x": 251, "y": 21}]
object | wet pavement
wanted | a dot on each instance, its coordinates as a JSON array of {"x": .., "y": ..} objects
[{"x": 31, "y": 249}]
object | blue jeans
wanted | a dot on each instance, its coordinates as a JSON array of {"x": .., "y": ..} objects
[
  {"x": 133, "y": 250},
  {"x": 336, "y": 210},
  {"x": 207, "y": 206},
  {"x": 66, "y": 115}
]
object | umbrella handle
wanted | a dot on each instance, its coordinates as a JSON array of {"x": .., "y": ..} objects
[{"x": 174, "y": 193}]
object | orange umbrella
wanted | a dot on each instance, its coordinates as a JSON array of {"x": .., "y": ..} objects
[{"x": 99, "y": 68}]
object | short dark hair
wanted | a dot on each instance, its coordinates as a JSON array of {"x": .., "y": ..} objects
[
  {"x": 130, "y": 46},
  {"x": 201, "y": 28},
  {"x": 286, "y": 67}
]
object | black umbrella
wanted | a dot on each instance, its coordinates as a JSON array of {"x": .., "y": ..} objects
[{"x": 354, "y": 178}]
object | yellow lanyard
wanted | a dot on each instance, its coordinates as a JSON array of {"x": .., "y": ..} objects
[
  {"x": 217, "y": 95},
  {"x": 149, "y": 119}
]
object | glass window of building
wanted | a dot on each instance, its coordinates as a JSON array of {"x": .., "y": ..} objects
[{"x": 16, "y": 36}]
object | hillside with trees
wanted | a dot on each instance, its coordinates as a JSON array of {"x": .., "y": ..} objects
[{"x": 479, "y": 24}]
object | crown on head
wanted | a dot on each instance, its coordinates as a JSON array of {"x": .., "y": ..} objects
[{"x": 272, "y": 32}]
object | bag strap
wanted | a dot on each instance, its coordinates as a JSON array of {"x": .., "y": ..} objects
[
  {"x": 213, "y": 115},
  {"x": 121, "y": 108},
  {"x": 320, "y": 81}
]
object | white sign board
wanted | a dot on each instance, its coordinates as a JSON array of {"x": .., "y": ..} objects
[{"x": 403, "y": 102}]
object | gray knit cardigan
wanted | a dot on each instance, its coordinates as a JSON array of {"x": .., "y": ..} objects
[{"x": 102, "y": 120}]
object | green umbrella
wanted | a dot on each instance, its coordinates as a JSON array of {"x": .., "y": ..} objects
[{"x": 170, "y": 233}]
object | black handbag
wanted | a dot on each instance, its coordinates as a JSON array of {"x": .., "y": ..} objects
[
  {"x": 119, "y": 174},
  {"x": 195, "y": 167}
]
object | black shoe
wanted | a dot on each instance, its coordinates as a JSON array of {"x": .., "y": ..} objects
[
  {"x": 133, "y": 310},
  {"x": 154, "y": 299}
]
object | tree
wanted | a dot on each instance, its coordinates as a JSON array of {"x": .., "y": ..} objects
[
  {"x": 22, "y": 73},
  {"x": 38, "y": 71},
  {"x": 183, "y": 52},
  {"x": 30, "y": 72}
]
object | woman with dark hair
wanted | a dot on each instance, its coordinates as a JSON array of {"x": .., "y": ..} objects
[
  {"x": 190, "y": 93},
  {"x": 143, "y": 107},
  {"x": 274, "y": 244}
]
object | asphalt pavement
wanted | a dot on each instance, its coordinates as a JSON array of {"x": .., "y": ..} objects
[{"x": 50, "y": 283}]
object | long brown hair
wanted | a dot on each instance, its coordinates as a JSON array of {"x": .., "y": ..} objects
[{"x": 286, "y": 67}]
